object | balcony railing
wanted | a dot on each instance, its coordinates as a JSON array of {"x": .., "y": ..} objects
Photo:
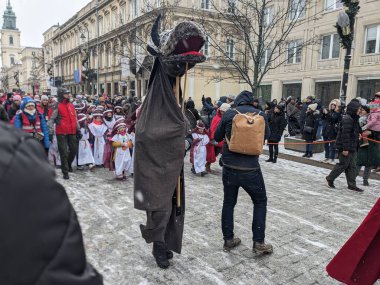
[
  {"x": 370, "y": 59},
  {"x": 328, "y": 63}
]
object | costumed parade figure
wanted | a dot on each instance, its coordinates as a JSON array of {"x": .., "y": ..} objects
[
  {"x": 121, "y": 143},
  {"x": 358, "y": 261},
  {"x": 85, "y": 156},
  {"x": 98, "y": 130},
  {"x": 198, "y": 150},
  {"x": 160, "y": 139}
]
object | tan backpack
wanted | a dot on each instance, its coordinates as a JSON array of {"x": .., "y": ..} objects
[{"x": 247, "y": 134}]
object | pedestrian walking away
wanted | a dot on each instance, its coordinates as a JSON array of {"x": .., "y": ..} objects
[{"x": 347, "y": 143}]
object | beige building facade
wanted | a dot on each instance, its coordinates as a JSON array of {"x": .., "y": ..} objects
[
  {"x": 112, "y": 34},
  {"x": 319, "y": 68}
]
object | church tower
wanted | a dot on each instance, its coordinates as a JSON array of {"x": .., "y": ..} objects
[{"x": 10, "y": 38}]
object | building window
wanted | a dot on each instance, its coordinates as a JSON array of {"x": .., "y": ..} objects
[
  {"x": 123, "y": 13},
  {"x": 265, "y": 93},
  {"x": 109, "y": 57},
  {"x": 268, "y": 16},
  {"x": 327, "y": 91},
  {"x": 265, "y": 58},
  {"x": 292, "y": 89},
  {"x": 107, "y": 23},
  {"x": 330, "y": 46},
  {"x": 367, "y": 88},
  {"x": 114, "y": 19},
  {"x": 135, "y": 8},
  {"x": 297, "y": 9},
  {"x": 205, "y": 48},
  {"x": 333, "y": 4},
  {"x": 294, "y": 51},
  {"x": 11, "y": 40},
  {"x": 372, "y": 40},
  {"x": 100, "y": 24},
  {"x": 230, "y": 48},
  {"x": 231, "y": 6},
  {"x": 205, "y": 4},
  {"x": 12, "y": 59}
]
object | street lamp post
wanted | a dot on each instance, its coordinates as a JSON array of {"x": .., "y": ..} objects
[
  {"x": 97, "y": 47},
  {"x": 86, "y": 61},
  {"x": 345, "y": 28}
]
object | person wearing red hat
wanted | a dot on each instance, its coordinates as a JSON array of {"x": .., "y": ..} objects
[
  {"x": 198, "y": 150},
  {"x": 98, "y": 130}
]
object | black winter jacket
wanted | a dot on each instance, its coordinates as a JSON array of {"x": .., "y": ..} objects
[
  {"x": 277, "y": 124},
  {"x": 3, "y": 114},
  {"x": 232, "y": 159},
  {"x": 348, "y": 135},
  {"x": 41, "y": 241},
  {"x": 332, "y": 121},
  {"x": 311, "y": 120}
]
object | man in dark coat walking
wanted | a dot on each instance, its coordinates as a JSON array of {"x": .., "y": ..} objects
[
  {"x": 41, "y": 241},
  {"x": 347, "y": 143}
]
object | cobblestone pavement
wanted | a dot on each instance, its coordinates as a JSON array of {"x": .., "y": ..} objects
[{"x": 307, "y": 223}]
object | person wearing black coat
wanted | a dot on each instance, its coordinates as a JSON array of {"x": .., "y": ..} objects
[
  {"x": 332, "y": 118},
  {"x": 240, "y": 170},
  {"x": 309, "y": 100},
  {"x": 347, "y": 143},
  {"x": 3, "y": 114},
  {"x": 277, "y": 124},
  {"x": 41, "y": 241},
  {"x": 192, "y": 114},
  {"x": 310, "y": 128}
]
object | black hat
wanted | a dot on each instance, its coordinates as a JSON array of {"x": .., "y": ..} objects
[
  {"x": 256, "y": 100},
  {"x": 366, "y": 108}
]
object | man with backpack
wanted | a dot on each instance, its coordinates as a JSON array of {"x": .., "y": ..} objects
[{"x": 244, "y": 142}]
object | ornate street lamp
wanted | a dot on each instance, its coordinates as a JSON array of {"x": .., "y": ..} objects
[{"x": 345, "y": 28}]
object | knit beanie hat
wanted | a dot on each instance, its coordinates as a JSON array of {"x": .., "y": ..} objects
[
  {"x": 225, "y": 107},
  {"x": 313, "y": 106},
  {"x": 16, "y": 98},
  {"x": 44, "y": 97}
]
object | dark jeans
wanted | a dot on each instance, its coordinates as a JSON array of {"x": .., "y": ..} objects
[
  {"x": 329, "y": 149},
  {"x": 366, "y": 172},
  {"x": 309, "y": 147},
  {"x": 346, "y": 164},
  {"x": 68, "y": 149},
  {"x": 253, "y": 183},
  {"x": 271, "y": 147}
]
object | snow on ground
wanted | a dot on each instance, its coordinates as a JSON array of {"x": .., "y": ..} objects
[{"x": 307, "y": 223}]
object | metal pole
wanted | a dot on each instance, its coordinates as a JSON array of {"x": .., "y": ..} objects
[{"x": 97, "y": 47}]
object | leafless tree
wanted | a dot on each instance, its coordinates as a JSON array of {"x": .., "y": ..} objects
[{"x": 253, "y": 37}]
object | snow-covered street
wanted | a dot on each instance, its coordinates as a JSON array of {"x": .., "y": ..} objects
[{"x": 307, "y": 223}]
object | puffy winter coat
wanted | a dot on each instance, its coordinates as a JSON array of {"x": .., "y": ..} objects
[
  {"x": 311, "y": 121},
  {"x": 33, "y": 124},
  {"x": 65, "y": 118},
  {"x": 348, "y": 135},
  {"x": 277, "y": 124},
  {"x": 373, "y": 121},
  {"x": 332, "y": 120},
  {"x": 41, "y": 241}
]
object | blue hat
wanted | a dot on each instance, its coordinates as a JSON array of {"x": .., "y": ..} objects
[{"x": 25, "y": 101}]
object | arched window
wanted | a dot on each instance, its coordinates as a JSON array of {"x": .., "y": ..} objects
[
  {"x": 109, "y": 57},
  {"x": 11, "y": 40}
]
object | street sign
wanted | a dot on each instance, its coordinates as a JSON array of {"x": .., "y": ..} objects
[{"x": 53, "y": 91}]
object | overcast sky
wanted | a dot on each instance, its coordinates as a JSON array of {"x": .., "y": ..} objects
[{"x": 34, "y": 17}]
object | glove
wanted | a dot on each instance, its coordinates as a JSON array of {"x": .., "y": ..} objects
[{"x": 79, "y": 135}]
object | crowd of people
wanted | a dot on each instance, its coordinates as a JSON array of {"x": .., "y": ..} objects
[
  {"x": 85, "y": 131},
  {"x": 97, "y": 131}
]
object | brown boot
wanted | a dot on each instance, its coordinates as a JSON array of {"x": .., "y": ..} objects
[
  {"x": 208, "y": 167},
  {"x": 231, "y": 243},
  {"x": 262, "y": 248}
]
